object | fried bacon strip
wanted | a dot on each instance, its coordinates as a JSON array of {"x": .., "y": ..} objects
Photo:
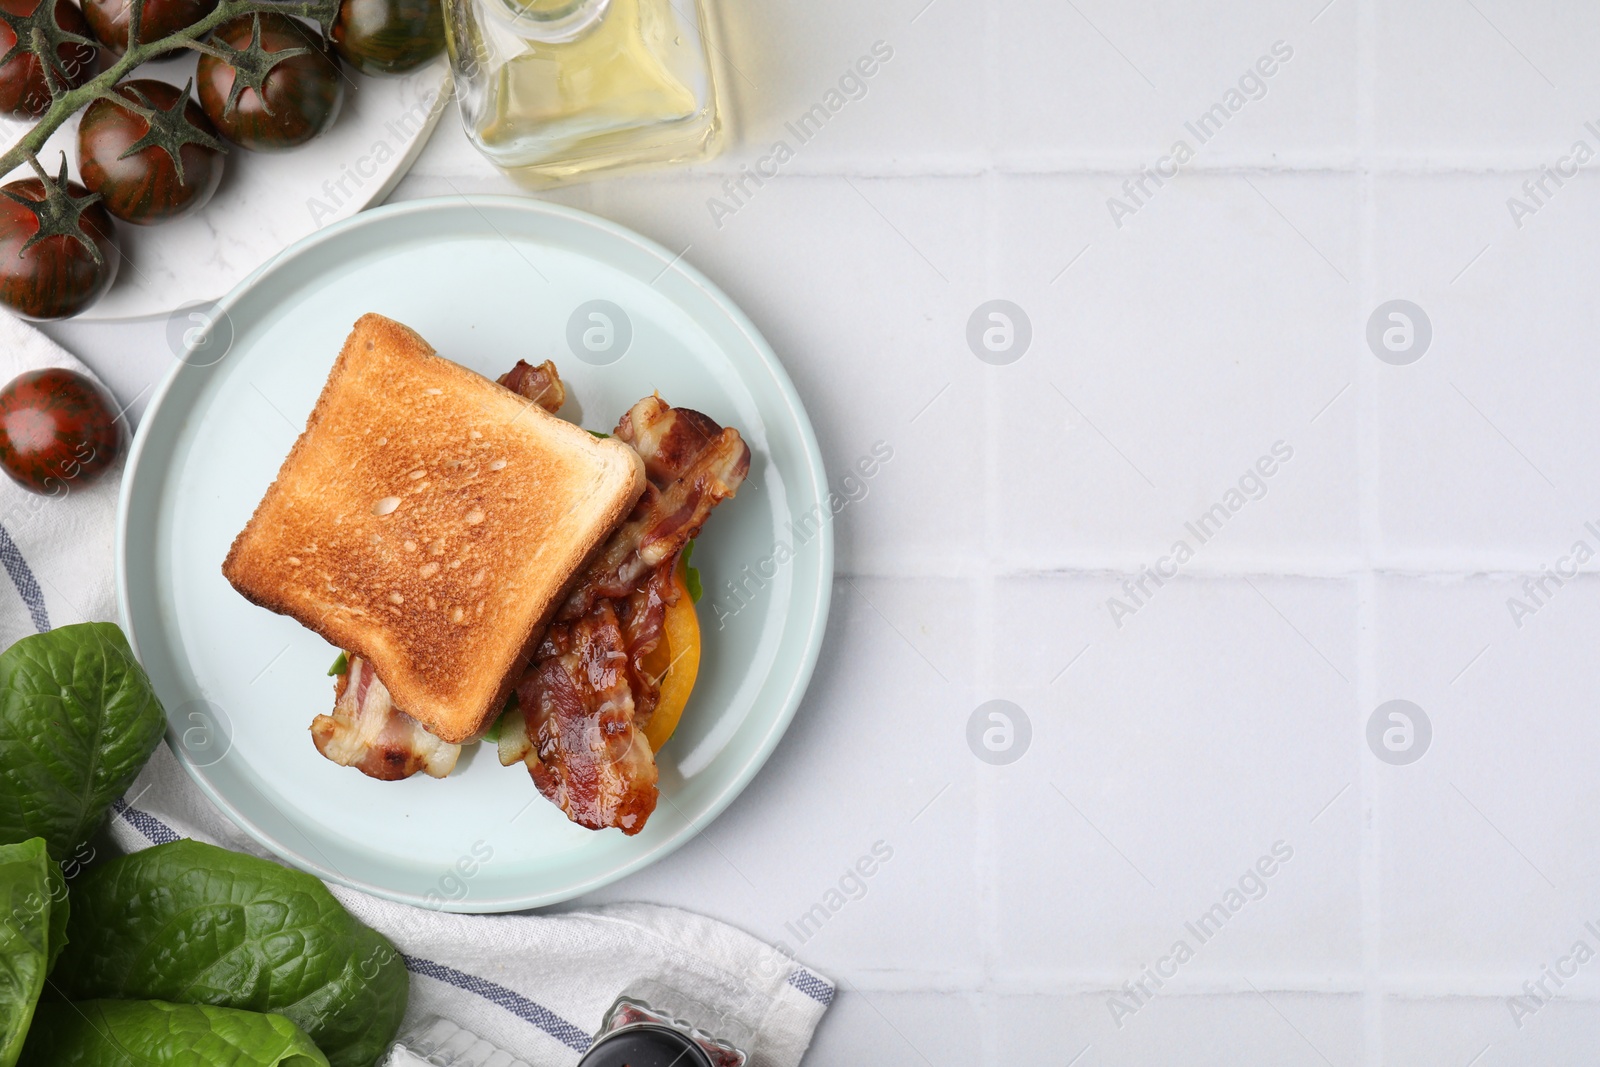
[
  {"x": 666, "y": 438},
  {"x": 673, "y": 508},
  {"x": 366, "y": 731},
  {"x": 586, "y": 697},
  {"x": 540, "y": 384},
  {"x": 591, "y": 758}
]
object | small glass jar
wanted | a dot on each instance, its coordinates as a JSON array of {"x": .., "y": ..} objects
[
  {"x": 553, "y": 90},
  {"x": 637, "y": 1034}
]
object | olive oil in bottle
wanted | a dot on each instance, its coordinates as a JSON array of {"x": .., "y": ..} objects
[{"x": 556, "y": 89}]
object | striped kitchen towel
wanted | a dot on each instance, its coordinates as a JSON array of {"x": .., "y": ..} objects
[
  {"x": 56, "y": 550},
  {"x": 538, "y": 985}
]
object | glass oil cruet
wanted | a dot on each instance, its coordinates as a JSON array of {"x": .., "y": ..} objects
[{"x": 552, "y": 90}]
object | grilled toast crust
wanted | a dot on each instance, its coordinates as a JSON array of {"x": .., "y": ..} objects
[{"x": 429, "y": 521}]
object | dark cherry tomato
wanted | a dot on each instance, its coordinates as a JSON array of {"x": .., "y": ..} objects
[
  {"x": 58, "y": 430},
  {"x": 389, "y": 36},
  {"x": 57, "y": 277},
  {"x": 303, "y": 93},
  {"x": 109, "y": 19},
  {"x": 144, "y": 188},
  {"x": 22, "y": 86}
]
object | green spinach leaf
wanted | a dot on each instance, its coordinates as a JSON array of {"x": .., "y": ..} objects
[
  {"x": 196, "y": 924},
  {"x": 32, "y": 923},
  {"x": 150, "y": 1033},
  {"x": 77, "y": 722},
  {"x": 691, "y": 575}
]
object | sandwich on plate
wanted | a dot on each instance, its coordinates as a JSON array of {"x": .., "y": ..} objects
[{"x": 487, "y": 566}]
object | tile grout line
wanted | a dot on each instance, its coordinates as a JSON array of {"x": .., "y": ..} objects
[
  {"x": 1367, "y": 466},
  {"x": 988, "y": 880}
]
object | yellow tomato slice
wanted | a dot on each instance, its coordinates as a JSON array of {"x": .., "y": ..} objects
[{"x": 681, "y": 643}]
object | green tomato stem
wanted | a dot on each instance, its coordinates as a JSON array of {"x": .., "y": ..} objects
[{"x": 64, "y": 104}]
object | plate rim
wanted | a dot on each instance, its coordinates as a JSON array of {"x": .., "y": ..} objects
[{"x": 819, "y": 607}]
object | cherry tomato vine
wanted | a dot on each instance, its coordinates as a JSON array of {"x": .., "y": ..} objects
[{"x": 40, "y": 34}]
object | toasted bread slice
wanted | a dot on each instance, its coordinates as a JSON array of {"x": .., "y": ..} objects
[{"x": 428, "y": 520}]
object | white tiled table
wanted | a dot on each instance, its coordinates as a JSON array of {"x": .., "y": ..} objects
[{"x": 1229, "y": 712}]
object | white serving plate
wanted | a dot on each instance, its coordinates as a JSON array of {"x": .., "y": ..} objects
[{"x": 486, "y": 280}]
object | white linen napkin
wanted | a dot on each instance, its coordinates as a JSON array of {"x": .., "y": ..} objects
[{"x": 536, "y": 985}]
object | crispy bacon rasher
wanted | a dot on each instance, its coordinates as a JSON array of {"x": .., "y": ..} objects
[
  {"x": 586, "y": 696},
  {"x": 540, "y": 384},
  {"x": 366, "y": 731}
]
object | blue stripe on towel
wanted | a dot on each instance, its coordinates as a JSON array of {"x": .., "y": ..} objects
[
  {"x": 22, "y": 577},
  {"x": 158, "y": 832},
  {"x": 509, "y": 999},
  {"x": 811, "y": 986}
]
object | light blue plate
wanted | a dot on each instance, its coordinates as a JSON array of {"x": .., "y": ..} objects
[{"x": 486, "y": 280}]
